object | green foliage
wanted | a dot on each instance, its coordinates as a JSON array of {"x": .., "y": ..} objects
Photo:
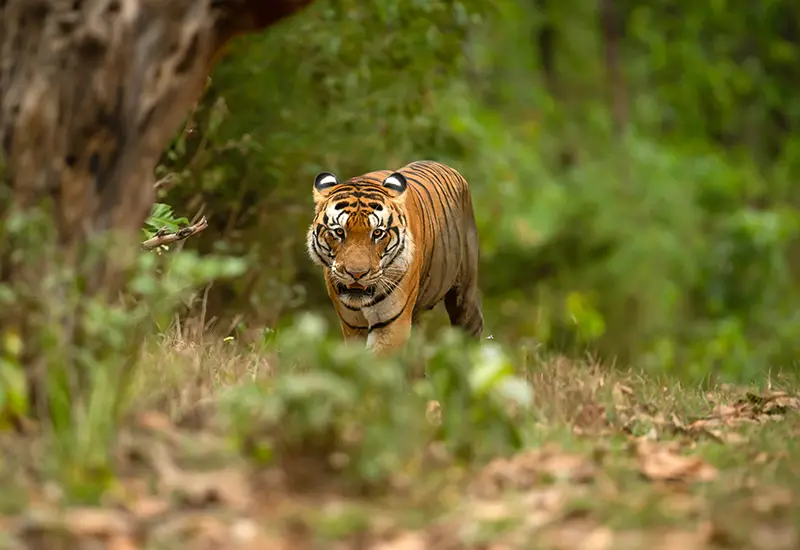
[
  {"x": 335, "y": 402},
  {"x": 112, "y": 333},
  {"x": 670, "y": 246},
  {"x": 13, "y": 398},
  {"x": 161, "y": 215},
  {"x": 480, "y": 394},
  {"x": 85, "y": 344}
]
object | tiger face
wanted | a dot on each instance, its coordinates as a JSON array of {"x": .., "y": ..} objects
[{"x": 360, "y": 235}]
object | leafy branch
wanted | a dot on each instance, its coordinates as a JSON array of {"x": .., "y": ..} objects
[
  {"x": 164, "y": 236},
  {"x": 163, "y": 228}
]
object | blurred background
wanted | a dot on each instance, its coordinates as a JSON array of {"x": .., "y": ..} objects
[{"x": 632, "y": 166}]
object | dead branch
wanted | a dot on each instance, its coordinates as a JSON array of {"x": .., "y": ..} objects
[
  {"x": 166, "y": 182},
  {"x": 163, "y": 236}
]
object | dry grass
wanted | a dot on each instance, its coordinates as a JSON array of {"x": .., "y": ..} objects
[{"x": 612, "y": 460}]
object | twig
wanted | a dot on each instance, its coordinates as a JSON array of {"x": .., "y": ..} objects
[
  {"x": 198, "y": 216},
  {"x": 167, "y": 181},
  {"x": 163, "y": 236}
]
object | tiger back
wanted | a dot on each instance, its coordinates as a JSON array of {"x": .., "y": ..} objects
[{"x": 395, "y": 244}]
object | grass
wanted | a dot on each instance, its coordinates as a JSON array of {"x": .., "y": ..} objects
[{"x": 224, "y": 444}]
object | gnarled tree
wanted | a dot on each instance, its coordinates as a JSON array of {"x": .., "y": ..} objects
[{"x": 91, "y": 92}]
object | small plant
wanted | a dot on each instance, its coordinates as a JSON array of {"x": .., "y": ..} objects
[
  {"x": 483, "y": 402},
  {"x": 163, "y": 228},
  {"x": 84, "y": 430},
  {"x": 162, "y": 216},
  {"x": 331, "y": 403},
  {"x": 335, "y": 404},
  {"x": 86, "y": 344}
]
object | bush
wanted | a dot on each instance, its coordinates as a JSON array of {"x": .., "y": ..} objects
[
  {"x": 331, "y": 406},
  {"x": 668, "y": 247}
]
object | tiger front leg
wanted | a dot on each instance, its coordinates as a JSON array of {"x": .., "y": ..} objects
[
  {"x": 384, "y": 340},
  {"x": 390, "y": 338},
  {"x": 463, "y": 304}
]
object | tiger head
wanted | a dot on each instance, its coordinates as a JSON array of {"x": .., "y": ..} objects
[{"x": 360, "y": 234}]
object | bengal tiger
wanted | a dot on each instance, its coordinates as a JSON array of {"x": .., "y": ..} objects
[{"x": 395, "y": 244}]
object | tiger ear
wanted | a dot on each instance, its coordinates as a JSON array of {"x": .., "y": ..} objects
[
  {"x": 396, "y": 182},
  {"x": 323, "y": 183}
]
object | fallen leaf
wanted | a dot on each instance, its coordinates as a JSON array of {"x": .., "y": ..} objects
[
  {"x": 774, "y": 402},
  {"x": 683, "y": 540},
  {"x": 82, "y": 522},
  {"x": 774, "y": 537},
  {"x": 580, "y": 533},
  {"x": 227, "y": 486},
  {"x": 730, "y": 438},
  {"x": 761, "y": 458},
  {"x": 146, "y": 506},
  {"x": 542, "y": 506},
  {"x": 525, "y": 470},
  {"x": 677, "y": 422},
  {"x": 490, "y": 510},
  {"x": 722, "y": 410},
  {"x": 768, "y": 499},
  {"x": 121, "y": 543},
  {"x": 663, "y": 539},
  {"x": 662, "y": 463},
  {"x": 406, "y": 541},
  {"x": 264, "y": 542},
  {"x": 244, "y": 531},
  {"x": 155, "y": 421},
  {"x": 190, "y": 526}
]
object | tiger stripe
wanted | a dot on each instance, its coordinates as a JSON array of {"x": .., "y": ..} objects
[{"x": 393, "y": 245}]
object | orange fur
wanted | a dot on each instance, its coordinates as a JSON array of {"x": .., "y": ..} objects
[{"x": 395, "y": 244}]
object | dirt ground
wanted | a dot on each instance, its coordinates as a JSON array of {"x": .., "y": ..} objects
[{"x": 611, "y": 461}]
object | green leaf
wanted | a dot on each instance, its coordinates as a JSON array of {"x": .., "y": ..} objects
[{"x": 162, "y": 215}]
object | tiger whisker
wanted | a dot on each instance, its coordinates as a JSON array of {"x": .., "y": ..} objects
[{"x": 388, "y": 286}]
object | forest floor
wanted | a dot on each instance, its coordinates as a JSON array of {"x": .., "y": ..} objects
[{"x": 616, "y": 461}]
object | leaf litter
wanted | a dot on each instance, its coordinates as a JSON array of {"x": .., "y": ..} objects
[
  {"x": 166, "y": 500},
  {"x": 663, "y": 462}
]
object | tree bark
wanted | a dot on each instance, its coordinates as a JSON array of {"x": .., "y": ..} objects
[
  {"x": 617, "y": 88},
  {"x": 91, "y": 91},
  {"x": 544, "y": 39}
]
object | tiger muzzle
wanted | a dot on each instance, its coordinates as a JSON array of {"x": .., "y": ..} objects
[{"x": 355, "y": 290}]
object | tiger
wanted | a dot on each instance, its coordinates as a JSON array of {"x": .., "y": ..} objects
[{"x": 392, "y": 245}]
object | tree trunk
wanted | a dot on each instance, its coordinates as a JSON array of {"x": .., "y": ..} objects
[
  {"x": 91, "y": 92},
  {"x": 615, "y": 78}
]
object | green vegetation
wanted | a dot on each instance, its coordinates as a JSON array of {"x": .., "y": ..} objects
[
  {"x": 303, "y": 441},
  {"x": 668, "y": 246},
  {"x": 632, "y": 178}
]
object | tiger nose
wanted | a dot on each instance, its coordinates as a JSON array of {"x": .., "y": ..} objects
[{"x": 356, "y": 273}]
